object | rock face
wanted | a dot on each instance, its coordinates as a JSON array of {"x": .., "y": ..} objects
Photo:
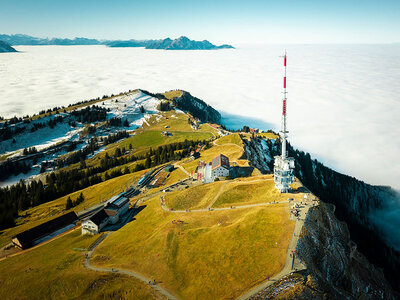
[
  {"x": 4, "y": 47},
  {"x": 354, "y": 202},
  {"x": 334, "y": 263},
  {"x": 335, "y": 269},
  {"x": 197, "y": 107},
  {"x": 259, "y": 152},
  {"x": 183, "y": 43}
]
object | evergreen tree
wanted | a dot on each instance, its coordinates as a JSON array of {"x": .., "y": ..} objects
[{"x": 69, "y": 204}]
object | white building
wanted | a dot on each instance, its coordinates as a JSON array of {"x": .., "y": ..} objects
[
  {"x": 95, "y": 223},
  {"x": 220, "y": 166},
  {"x": 110, "y": 214}
]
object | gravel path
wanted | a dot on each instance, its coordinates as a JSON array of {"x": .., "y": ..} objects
[{"x": 142, "y": 278}]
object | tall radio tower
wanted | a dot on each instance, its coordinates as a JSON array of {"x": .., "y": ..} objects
[{"x": 283, "y": 165}]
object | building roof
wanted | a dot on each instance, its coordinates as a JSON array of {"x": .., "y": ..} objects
[
  {"x": 220, "y": 160},
  {"x": 119, "y": 202},
  {"x": 98, "y": 217},
  {"x": 111, "y": 212},
  {"x": 27, "y": 237}
]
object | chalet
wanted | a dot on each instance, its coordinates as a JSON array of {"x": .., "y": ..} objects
[
  {"x": 95, "y": 223},
  {"x": 35, "y": 235},
  {"x": 220, "y": 166}
]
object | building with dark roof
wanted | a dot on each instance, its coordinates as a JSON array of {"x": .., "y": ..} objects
[
  {"x": 117, "y": 208},
  {"x": 95, "y": 223},
  {"x": 111, "y": 213},
  {"x": 220, "y": 166},
  {"x": 28, "y": 237}
]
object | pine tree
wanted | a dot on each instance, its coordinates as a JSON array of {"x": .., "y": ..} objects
[{"x": 69, "y": 204}]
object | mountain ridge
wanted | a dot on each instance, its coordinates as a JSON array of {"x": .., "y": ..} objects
[{"x": 181, "y": 43}]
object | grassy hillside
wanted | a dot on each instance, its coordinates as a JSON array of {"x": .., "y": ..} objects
[
  {"x": 93, "y": 195},
  {"x": 172, "y": 94},
  {"x": 196, "y": 197},
  {"x": 233, "y": 248},
  {"x": 242, "y": 192},
  {"x": 230, "y": 139},
  {"x": 55, "y": 271},
  {"x": 216, "y": 254}
]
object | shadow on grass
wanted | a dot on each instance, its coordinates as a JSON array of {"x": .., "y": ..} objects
[
  {"x": 128, "y": 217},
  {"x": 237, "y": 171},
  {"x": 300, "y": 189}
]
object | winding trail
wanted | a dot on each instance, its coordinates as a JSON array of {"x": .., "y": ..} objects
[
  {"x": 136, "y": 275},
  {"x": 217, "y": 208},
  {"x": 291, "y": 263},
  {"x": 217, "y": 195}
]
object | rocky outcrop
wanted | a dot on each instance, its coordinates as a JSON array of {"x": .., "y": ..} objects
[
  {"x": 260, "y": 153},
  {"x": 354, "y": 200},
  {"x": 356, "y": 203},
  {"x": 195, "y": 106},
  {"x": 4, "y": 47},
  {"x": 334, "y": 263},
  {"x": 335, "y": 269}
]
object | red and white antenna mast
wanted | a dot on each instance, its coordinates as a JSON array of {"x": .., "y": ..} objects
[
  {"x": 284, "y": 100},
  {"x": 283, "y": 165}
]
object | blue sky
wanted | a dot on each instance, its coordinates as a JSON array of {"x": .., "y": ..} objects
[{"x": 227, "y": 21}]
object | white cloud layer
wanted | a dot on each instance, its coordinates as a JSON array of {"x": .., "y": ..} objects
[{"x": 344, "y": 103}]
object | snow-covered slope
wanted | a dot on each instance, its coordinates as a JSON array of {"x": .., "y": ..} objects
[{"x": 128, "y": 107}]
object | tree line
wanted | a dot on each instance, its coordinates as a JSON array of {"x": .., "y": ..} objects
[{"x": 63, "y": 182}]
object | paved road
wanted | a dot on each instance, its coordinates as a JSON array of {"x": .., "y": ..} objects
[{"x": 142, "y": 278}]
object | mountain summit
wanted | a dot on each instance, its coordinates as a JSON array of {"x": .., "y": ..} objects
[{"x": 183, "y": 43}]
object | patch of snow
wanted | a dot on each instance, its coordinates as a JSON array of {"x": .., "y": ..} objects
[
  {"x": 41, "y": 138},
  {"x": 15, "y": 179},
  {"x": 128, "y": 106}
]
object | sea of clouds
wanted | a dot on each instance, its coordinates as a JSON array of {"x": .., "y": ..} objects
[{"x": 343, "y": 100}]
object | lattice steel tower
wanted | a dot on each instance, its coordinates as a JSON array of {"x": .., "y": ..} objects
[{"x": 283, "y": 165}]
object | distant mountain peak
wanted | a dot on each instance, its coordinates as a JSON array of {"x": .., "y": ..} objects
[{"x": 184, "y": 43}]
